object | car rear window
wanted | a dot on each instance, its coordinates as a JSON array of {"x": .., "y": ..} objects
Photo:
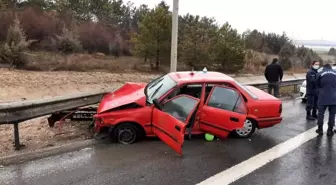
[{"x": 247, "y": 90}]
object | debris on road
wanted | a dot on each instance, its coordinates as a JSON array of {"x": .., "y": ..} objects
[{"x": 209, "y": 137}]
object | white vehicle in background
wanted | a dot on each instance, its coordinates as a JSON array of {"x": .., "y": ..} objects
[{"x": 303, "y": 95}]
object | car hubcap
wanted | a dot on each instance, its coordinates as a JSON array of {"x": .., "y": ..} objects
[
  {"x": 246, "y": 129},
  {"x": 126, "y": 136}
]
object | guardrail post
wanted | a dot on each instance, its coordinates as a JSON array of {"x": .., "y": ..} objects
[
  {"x": 295, "y": 88},
  {"x": 16, "y": 136}
]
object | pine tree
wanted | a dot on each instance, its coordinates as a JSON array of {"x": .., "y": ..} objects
[
  {"x": 154, "y": 37},
  {"x": 14, "y": 50}
]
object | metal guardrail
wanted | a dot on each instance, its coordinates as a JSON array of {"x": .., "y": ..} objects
[
  {"x": 294, "y": 83},
  {"x": 16, "y": 112},
  {"x": 25, "y": 110}
]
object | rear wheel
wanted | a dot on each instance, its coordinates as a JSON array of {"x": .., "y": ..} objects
[
  {"x": 247, "y": 130},
  {"x": 126, "y": 133}
]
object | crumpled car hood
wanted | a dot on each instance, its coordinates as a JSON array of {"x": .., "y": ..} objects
[{"x": 128, "y": 93}]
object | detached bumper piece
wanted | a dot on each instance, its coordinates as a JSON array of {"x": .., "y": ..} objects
[{"x": 77, "y": 114}]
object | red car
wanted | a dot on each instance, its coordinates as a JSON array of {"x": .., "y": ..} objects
[{"x": 189, "y": 103}]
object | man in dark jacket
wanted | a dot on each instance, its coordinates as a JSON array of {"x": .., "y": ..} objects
[
  {"x": 273, "y": 74},
  {"x": 311, "y": 106},
  {"x": 326, "y": 82}
]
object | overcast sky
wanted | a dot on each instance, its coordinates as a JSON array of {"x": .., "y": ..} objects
[{"x": 300, "y": 19}]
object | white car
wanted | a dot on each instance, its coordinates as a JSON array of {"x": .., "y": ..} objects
[{"x": 303, "y": 95}]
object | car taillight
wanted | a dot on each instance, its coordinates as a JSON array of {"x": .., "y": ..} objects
[{"x": 280, "y": 109}]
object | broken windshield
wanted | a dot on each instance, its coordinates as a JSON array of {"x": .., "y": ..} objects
[{"x": 158, "y": 87}]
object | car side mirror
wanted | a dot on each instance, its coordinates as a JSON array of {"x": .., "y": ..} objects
[{"x": 157, "y": 104}]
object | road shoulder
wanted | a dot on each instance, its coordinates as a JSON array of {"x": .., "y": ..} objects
[{"x": 46, "y": 152}]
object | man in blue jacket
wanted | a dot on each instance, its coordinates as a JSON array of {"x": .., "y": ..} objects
[
  {"x": 311, "y": 106},
  {"x": 326, "y": 82}
]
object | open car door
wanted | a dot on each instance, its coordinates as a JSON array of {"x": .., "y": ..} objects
[
  {"x": 171, "y": 119},
  {"x": 223, "y": 111}
]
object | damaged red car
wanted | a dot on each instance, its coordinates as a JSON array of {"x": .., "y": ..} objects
[{"x": 181, "y": 104}]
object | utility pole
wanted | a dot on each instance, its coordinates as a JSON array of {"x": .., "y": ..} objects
[{"x": 173, "y": 51}]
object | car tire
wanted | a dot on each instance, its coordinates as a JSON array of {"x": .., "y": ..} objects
[
  {"x": 247, "y": 131},
  {"x": 126, "y": 133}
]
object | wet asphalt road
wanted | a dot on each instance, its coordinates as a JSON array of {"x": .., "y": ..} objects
[{"x": 152, "y": 162}]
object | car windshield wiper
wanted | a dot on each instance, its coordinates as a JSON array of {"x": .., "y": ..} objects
[
  {"x": 156, "y": 90},
  {"x": 155, "y": 83}
]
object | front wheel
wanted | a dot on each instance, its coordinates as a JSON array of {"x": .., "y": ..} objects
[
  {"x": 126, "y": 133},
  {"x": 247, "y": 130}
]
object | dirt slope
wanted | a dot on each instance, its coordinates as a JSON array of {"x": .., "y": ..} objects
[{"x": 35, "y": 134}]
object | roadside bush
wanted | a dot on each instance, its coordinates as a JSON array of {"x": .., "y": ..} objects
[
  {"x": 254, "y": 60},
  {"x": 286, "y": 63},
  {"x": 287, "y": 51},
  {"x": 14, "y": 50},
  {"x": 68, "y": 42},
  {"x": 307, "y": 56},
  {"x": 3, "y": 5},
  {"x": 332, "y": 51},
  {"x": 96, "y": 37},
  {"x": 114, "y": 49},
  {"x": 6, "y": 19},
  {"x": 38, "y": 25},
  {"x": 41, "y": 25}
]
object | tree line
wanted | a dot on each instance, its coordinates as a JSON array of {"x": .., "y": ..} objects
[{"x": 119, "y": 28}]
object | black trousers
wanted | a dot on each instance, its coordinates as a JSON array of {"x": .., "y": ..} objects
[
  {"x": 332, "y": 112},
  {"x": 275, "y": 87},
  {"x": 311, "y": 102}
]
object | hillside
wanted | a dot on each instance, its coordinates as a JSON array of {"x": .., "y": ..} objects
[{"x": 47, "y": 35}]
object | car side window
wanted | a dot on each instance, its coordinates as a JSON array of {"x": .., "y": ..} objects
[
  {"x": 180, "y": 107},
  {"x": 226, "y": 99},
  {"x": 209, "y": 87}
]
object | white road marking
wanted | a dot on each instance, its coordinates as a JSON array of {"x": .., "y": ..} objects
[{"x": 242, "y": 169}]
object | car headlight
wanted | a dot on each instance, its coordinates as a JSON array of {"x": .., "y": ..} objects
[{"x": 304, "y": 84}]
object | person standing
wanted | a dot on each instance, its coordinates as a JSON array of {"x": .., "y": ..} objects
[
  {"x": 311, "y": 106},
  {"x": 326, "y": 83},
  {"x": 273, "y": 75}
]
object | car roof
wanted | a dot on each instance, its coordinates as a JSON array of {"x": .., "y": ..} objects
[{"x": 199, "y": 76}]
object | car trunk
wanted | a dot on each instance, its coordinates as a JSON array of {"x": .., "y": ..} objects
[
  {"x": 269, "y": 106},
  {"x": 262, "y": 95}
]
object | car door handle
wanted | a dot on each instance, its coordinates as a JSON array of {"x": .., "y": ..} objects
[
  {"x": 234, "y": 119},
  {"x": 178, "y": 128}
]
